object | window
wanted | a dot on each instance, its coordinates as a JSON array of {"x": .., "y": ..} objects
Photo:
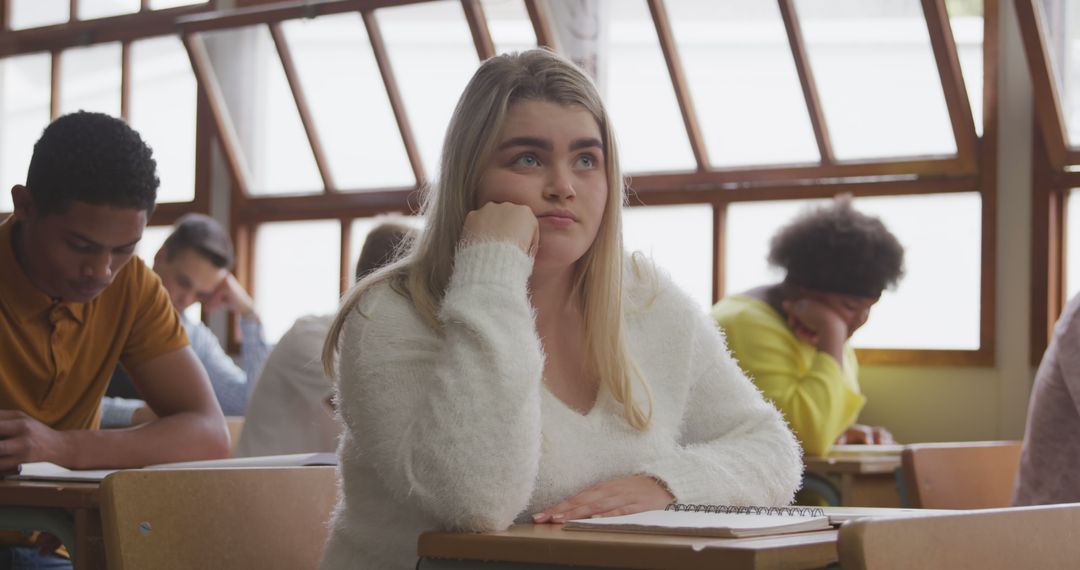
[
  {"x": 679, "y": 240},
  {"x": 288, "y": 255},
  {"x": 24, "y": 113},
  {"x": 726, "y": 113},
  {"x": 1050, "y": 33},
  {"x": 163, "y": 111},
  {"x": 932, "y": 308},
  {"x": 879, "y": 85},
  {"x": 744, "y": 82},
  {"x": 141, "y": 74}
]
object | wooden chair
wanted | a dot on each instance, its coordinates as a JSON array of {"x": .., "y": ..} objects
[
  {"x": 968, "y": 475},
  {"x": 236, "y": 425},
  {"x": 1026, "y": 537},
  {"x": 217, "y": 518}
]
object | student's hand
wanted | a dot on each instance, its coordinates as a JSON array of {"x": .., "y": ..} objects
[
  {"x": 611, "y": 498},
  {"x": 503, "y": 221},
  {"x": 813, "y": 321},
  {"x": 24, "y": 439},
  {"x": 231, "y": 295},
  {"x": 863, "y": 434}
]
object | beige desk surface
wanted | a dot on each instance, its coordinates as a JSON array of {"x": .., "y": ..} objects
[{"x": 549, "y": 544}]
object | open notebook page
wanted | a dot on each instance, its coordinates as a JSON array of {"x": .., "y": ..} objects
[
  {"x": 718, "y": 525},
  {"x": 45, "y": 471}
]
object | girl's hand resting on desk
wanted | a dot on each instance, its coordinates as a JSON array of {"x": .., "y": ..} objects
[
  {"x": 503, "y": 221},
  {"x": 609, "y": 499},
  {"x": 862, "y": 434}
]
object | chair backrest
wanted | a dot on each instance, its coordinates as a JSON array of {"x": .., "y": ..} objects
[
  {"x": 1025, "y": 537},
  {"x": 236, "y": 425},
  {"x": 966, "y": 475},
  {"x": 275, "y": 517}
]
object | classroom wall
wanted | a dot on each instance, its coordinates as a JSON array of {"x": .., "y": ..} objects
[{"x": 967, "y": 403}]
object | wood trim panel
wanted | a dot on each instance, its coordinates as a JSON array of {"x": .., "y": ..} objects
[
  {"x": 327, "y": 206},
  {"x": 122, "y": 28},
  {"x": 541, "y": 22},
  {"x": 345, "y": 267},
  {"x": 382, "y": 59},
  {"x": 952, "y": 81},
  {"x": 988, "y": 182},
  {"x": 54, "y": 85},
  {"x": 1062, "y": 179},
  {"x": 243, "y": 236},
  {"x": 1048, "y": 218},
  {"x": 5, "y": 15},
  {"x": 721, "y": 193},
  {"x": 226, "y": 133},
  {"x": 806, "y": 80},
  {"x": 125, "y": 81},
  {"x": 481, "y": 35},
  {"x": 292, "y": 77},
  {"x": 279, "y": 11},
  {"x": 921, "y": 166},
  {"x": 924, "y": 357},
  {"x": 719, "y": 243},
  {"x": 679, "y": 84},
  {"x": 73, "y": 10},
  {"x": 1047, "y": 99}
]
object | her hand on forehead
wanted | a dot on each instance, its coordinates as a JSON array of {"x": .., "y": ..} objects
[{"x": 503, "y": 221}]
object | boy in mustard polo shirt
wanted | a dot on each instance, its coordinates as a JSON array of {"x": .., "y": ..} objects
[{"x": 74, "y": 302}]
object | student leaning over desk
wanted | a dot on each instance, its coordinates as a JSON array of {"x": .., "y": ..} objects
[
  {"x": 515, "y": 365},
  {"x": 73, "y": 303},
  {"x": 792, "y": 337}
]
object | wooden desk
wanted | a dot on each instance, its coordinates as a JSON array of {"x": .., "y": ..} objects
[
  {"x": 81, "y": 499},
  {"x": 864, "y": 481},
  {"x": 542, "y": 546}
]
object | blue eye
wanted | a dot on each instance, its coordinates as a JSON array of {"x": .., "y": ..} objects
[
  {"x": 526, "y": 160},
  {"x": 586, "y": 161}
]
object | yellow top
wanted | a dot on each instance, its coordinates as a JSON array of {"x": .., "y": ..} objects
[
  {"x": 57, "y": 357},
  {"x": 818, "y": 398}
]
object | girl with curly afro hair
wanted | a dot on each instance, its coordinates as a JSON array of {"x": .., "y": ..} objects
[{"x": 792, "y": 337}]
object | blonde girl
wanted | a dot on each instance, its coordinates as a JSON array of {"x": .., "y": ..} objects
[{"x": 514, "y": 365}]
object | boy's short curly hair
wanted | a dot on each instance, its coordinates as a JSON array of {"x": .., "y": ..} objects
[
  {"x": 837, "y": 249},
  {"x": 92, "y": 158}
]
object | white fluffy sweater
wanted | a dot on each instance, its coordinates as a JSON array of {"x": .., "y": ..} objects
[{"x": 454, "y": 429}]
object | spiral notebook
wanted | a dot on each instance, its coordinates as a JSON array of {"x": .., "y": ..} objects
[{"x": 714, "y": 521}]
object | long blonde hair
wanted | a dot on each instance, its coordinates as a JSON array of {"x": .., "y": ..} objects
[{"x": 422, "y": 273}]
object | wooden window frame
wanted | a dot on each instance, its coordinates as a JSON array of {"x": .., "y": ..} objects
[
  {"x": 971, "y": 169},
  {"x": 1053, "y": 177},
  {"x": 125, "y": 29}
]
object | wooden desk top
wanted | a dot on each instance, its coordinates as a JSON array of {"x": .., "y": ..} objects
[
  {"x": 869, "y": 464},
  {"x": 61, "y": 494},
  {"x": 549, "y": 544}
]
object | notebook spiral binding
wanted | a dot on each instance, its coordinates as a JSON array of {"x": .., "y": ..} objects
[{"x": 768, "y": 511}]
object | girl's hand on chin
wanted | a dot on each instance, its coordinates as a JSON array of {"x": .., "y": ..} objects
[{"x": 503, "y": 221}]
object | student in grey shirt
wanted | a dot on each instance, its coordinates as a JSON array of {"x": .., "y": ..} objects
[
  {"x": 1050, "y": 463},
  {"x": 194, "y": 265},
  {"x": 291, "y": 409}
]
